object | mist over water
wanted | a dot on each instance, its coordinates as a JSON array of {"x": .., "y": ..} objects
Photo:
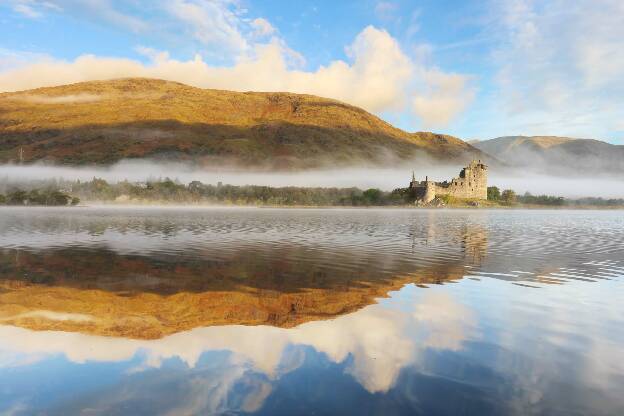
[{"x": 362, "y": 177}]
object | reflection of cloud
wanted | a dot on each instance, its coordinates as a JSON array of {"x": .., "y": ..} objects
[
  {"x": 50, "y": 315},
  {"x": 9, "y": 359},
  {"x": 446, "y": 322},
  {"x": 365, "y": 336}
]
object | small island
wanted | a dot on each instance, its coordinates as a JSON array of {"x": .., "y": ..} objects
[{"x": 469, "y": 190}]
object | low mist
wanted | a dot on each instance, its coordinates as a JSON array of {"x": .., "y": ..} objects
[{"x": 362, "y": 177}]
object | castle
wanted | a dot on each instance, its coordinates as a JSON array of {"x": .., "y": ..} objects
[{"x": 471, "y": 183}]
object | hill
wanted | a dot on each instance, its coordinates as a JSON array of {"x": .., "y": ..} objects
[
  {"x": 102, "y": 122},
  {"x": 560, "y": 155}
]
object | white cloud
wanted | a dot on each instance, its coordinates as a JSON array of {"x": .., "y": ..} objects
[
  {"x": 27, "y": 10},
  {"x": 214, "y": 23},
  {"x": 11, "y": 59},
  {"x": 561, "y": 66},
  {"x": 386, "y": 10},
  {"x": 379, "y": 76},
  {"x": 444, "y": 96},
  {"x": 96, "y": 10},
  {"x": 262, "y": 27},
  {"x": 33, "y": 9}
]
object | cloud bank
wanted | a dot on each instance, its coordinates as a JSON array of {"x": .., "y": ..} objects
[
  {"x": 377, "y": 73},
  {"x": 560, "y": 66}
]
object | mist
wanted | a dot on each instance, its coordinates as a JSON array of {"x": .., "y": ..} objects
[{"x": 356, "y": 176}]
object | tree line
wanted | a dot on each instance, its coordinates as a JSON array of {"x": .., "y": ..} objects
[
  {"x": 38, "y": 197},
  {"x": 60, "y": 193},
  {"x": 170, "y": 191}
]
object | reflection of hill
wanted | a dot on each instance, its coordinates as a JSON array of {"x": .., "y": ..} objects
[
  {"x": 136, "y": 282},
  {"x": 148, "y": 315}
]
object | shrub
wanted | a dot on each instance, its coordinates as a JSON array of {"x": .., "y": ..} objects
[
  {"x": 493, "y": 193},
  {"x": 508, "y": 196}
]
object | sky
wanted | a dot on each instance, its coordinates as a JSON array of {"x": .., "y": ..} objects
[{"x": 472, "y": 69}]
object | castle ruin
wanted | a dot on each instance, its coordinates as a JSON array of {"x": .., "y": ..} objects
[{"x": 471, "y": 184}]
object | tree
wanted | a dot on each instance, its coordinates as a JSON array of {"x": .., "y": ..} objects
[
  {"x": 372, "y": 196},
  {"x": 493, "y": 193},
  {"x": 508, "y": 196},
  {"x": 17, "y": 197}
]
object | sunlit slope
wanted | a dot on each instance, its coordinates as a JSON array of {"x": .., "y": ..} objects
[
  {"x": 557, "y": 154},
  {"x": 106, "y": 121}
]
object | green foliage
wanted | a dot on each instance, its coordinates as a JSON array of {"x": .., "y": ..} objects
[
  {"x": 373, "y": 196},
  {"x": 169, "y": 191},
  {"x": 527, "y": 198},
  {"x": 493, "y": 193},
  {"x": 597, "y": 202},
  {"x": 17, "y": 197},
  {"x": 508, "y": 196},
  {"x": 46, "y": 197},
  {"x": 447, "y": 199}
]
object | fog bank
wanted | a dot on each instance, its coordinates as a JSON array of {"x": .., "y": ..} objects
[{"x": 361, "y": 177}]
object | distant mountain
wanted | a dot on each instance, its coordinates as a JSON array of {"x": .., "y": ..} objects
[
  {"x": 561, "y": 155},
  {"x": 103, "y": 122}
]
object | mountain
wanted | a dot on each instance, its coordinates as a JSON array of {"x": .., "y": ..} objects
[
  {"x": 559, "y": 155},
  {"x": 103, "y": 122}
]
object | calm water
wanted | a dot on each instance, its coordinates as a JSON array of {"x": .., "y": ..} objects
[{"x": 262, "y": 311}]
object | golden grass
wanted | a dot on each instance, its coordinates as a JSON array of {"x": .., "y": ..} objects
[{"x": 105, "y": 121}]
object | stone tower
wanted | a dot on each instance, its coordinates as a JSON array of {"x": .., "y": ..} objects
[
  {"x": 430, "y": 190},
  {"x": 475, "y": 177}
]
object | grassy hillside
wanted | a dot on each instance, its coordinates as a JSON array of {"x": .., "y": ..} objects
[
  {"x": 105, "y": 121},
  {"x": 561, "y": 155}
]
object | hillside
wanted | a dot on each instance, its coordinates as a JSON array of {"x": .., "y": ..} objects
[
  {"x": 103, "y": 122},
  {"x": 561, "y": 155}
]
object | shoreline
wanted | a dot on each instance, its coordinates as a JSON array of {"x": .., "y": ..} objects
[{"x": 160, "y": 205}]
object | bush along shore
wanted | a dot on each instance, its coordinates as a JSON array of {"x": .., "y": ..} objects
[
  {"x": 38, "y": 197},
  {"x": 167, "y": 191}
]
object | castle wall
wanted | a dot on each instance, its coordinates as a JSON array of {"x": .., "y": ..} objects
[
  {"x": 471, "y": 184},
  {"x": 424, "y": 191}
]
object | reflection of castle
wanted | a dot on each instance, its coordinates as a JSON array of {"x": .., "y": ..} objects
[
  {"x": 470, "y": 238},
  {"x": 474, "y": 243},
  {"x": 471, "y": 183}
]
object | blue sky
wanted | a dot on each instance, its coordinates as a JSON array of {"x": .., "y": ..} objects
[{"x": 474, "y": 69}]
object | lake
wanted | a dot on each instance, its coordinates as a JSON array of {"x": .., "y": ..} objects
[{"x": 176, "y": 311}]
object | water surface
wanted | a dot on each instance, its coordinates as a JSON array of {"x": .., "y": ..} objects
[{"x": 285, "y": 311}]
